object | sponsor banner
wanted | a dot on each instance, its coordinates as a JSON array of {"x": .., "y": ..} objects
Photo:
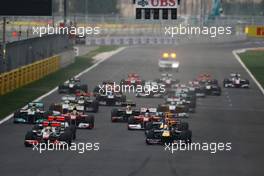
[
  {"x": 129, "y": 41},
  {"x": 255, "y": 31},
  {"x": 156, "y": 4}
]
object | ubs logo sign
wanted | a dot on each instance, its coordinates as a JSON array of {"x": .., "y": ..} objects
[
  {"x": 156, "y": 9},
  {"x": 156, "y": 3},
  {"x": 142, "y": 3}
]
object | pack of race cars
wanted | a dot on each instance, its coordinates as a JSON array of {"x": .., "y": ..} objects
[{"x": 165, "y": 123}]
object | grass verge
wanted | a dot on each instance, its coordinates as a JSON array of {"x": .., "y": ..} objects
[
  {"x": 21, "y": 96},
  {"x": 254, "y": 60}
]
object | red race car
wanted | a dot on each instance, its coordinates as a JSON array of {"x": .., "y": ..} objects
[
  {"x": 140, "y": 122},
  {"x": 80, "y": 120},
  {"x": 204, "y": 77},
  {"x": 132, "y": 79},
  {"x": 55, "y": 130},
  {"x": 84, "y": 94}
]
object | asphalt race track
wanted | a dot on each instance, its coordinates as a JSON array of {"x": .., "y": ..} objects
[{"x": 236, "y": 117}]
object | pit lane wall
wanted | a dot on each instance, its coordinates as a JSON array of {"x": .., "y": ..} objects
[
  {"x": 255, "y": 31},
  {"x": 26, "y": 74}
]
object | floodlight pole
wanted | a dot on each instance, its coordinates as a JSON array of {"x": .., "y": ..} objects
[
  {"x": 4, "y": 38},
  {"x": 65, "y": 12}
]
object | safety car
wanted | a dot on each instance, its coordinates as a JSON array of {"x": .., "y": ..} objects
[{"x": 169, "y": 61}]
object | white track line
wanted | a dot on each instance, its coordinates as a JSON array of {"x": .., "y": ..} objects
[
  {"x": 101, "y": 57},
  {"x": 235, "y": 53}
]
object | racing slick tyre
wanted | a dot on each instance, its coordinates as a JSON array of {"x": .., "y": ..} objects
[
  {"x": 225, "y": 82},
  {"x": 95, "y": 106},
  {"x": 90, "y": 119},
  {"x": 61, "y": 89},
  {"x": 247, "y": 82},
  {"x": 84, "y": 88},
  {"x": 113, "y": 114},
  {"x": 186, "y": 136},
  {"x": 55, "y": 107},
  {"x": 148, "y": 126},
  {"x": 122, "y": 82},
  {"x": 97, "y": 90},
  {"x": 150, "y": 135},
  {"x": 184, "y": 126},
  {"x": 219, "y": 92},
  {"x": 130, "y": 120},
  {"x": 16, "y": 114},
  {"x": 123, "y": 98},
  {"x": 72, "y": 129},
  {"x": 29, "y": 136},
  {"x": 66, "y": 137}
]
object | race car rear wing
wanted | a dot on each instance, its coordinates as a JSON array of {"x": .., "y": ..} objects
[
  {"x": 166, "y": 75},
  {"x": 56, "y": 118},
  {"x": 153, "y": 110},
  {"x": 235, "y": 75},
  {"x": 51, "y": 124},
  {"x": 69, "y": 98},
  {"x": 38, "y": 105},
  {"x": 124, "y": 104}
]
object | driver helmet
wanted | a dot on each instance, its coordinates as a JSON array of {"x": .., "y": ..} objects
[
  {"x": 47, "y": 129},
  {"x": 128, "y": 108}
]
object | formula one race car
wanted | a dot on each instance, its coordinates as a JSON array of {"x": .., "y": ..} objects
[
  {"x": 55, "y": 130},
  {"x": 88, "y": 101},
  {"x": 197, "y": 88},
  {"x": 84, "y": 102},
  {"x": 204, "y": 77},
  {"x": 146, "y": 115},
  {"x": 168, "y": 61},
  {"x": 132, "y": 79},
  {"x": 176, "y": 123},
  {"x": 181, "y": 98},
  {"x": 151, "y": 89},
  {"x": 210, "y": 85},
  {"x": 122, "y": 114},
  {"x": 79, "y": 119},
  {"x": 68, "y": 104},
  {"x": 107, "y": 86},
  {"x": 212, "y": 88},
  {"x": 165, "y": 134},
  {"x": 235, "y": 81},
  {"x": 178, "y": 110},
  {"x": 72, "y": 86},
  {"x": 33, "y": 113},
  {"x": 167, "y": 80},
  {"x": 111, "y": 99}
]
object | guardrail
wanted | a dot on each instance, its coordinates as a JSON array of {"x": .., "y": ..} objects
[{"x": 24, "y": 75}]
